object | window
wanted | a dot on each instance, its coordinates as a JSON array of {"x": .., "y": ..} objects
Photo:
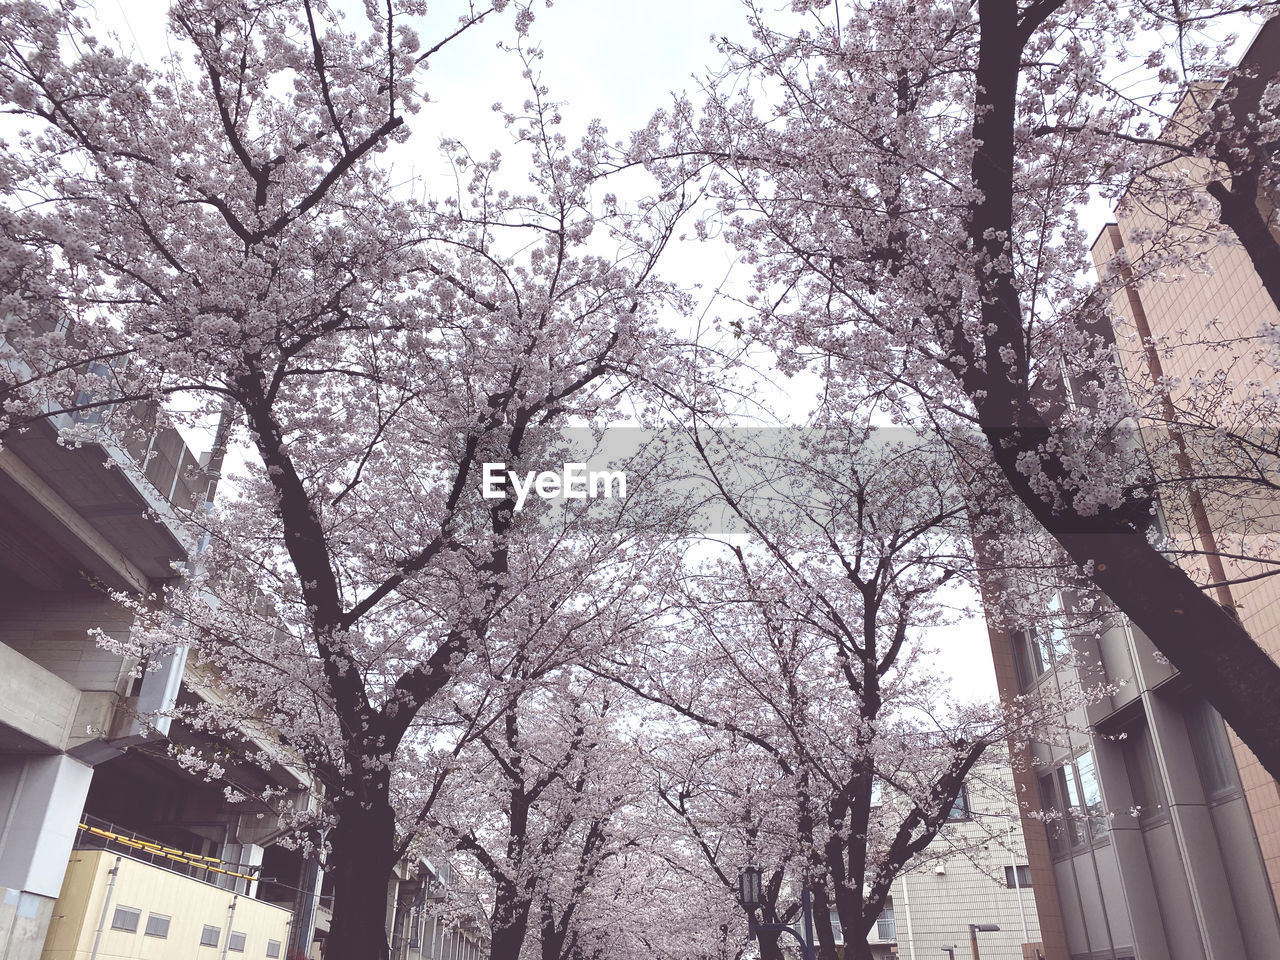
[
  {"x": 1054, "y": 827},
  {"x": 1069, "y": 797},
  {"x": 209, "y": 936},
  {"x": 235, "y": 942},
  {"x": 273, "y": 949},
  {"x": 1019, "y": 879},
  {"x": 157, "y": 925},
  {"x": 1031, "y": 658},
  {"x": 1072, "y": 794},
  {"x": 1211, "y": 749},
  {"x": 1144, "y": 777},
  {"x": 126, "y": 918},
  {"x": 960, "y": 809},
  {"x": 1091, "y": 794},
  {"x": 1036, "y": 648},
  {"x": 885, "y": 927}
]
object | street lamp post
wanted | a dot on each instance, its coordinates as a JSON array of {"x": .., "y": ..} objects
[
  {"x": 749, "y": 895},
  {"x": 977, "y": 928}
]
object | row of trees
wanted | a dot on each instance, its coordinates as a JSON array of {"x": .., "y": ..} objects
[{"x": 582, "y": 700}]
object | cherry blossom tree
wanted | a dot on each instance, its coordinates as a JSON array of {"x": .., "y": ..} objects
[
  {"x": 549, "y": 790},
  {"x": 908, "y": 178},
  {"x": 217, "y": 231},
  {"x": 820, "y": 739}
]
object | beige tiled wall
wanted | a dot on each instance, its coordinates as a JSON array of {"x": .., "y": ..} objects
[{"x": 1179, "y": 304}]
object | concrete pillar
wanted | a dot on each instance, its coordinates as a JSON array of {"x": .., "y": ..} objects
[
  {"x": 251, "y": 856},
  {"x": 40, "y": 802},
  {"x": 1197, "y": 841},
  {"x": 304, "y": 907},
  {"x": 1127, "y": 840}
]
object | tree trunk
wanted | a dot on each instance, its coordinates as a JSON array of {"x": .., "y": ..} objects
[
  {"x": 770, "y": 948},
  {"x": 1238, "y": 206},
  {"x": 856, "y": 949},
  {"x": 362, "y": 842},
  {"x": 509, "y": 925},
  {"x": 824, "y": 935},
  {"x": 1204, "y": 641},
  {"x": 552, "y": 937}
]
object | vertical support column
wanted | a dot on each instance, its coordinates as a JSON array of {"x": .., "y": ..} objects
[
  {"x": 251, "y": 856},
  {"x": 40, "y": 802},
  {"x": 1197, "y": 841},
  {"x": 304, "y": 907}
]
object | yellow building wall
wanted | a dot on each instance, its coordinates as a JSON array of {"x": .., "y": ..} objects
[{"x": 190, "y": 905}]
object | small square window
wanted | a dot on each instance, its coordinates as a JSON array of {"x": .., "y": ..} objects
[
  {"x": 235, "y": 942},
  {"x": 157, "y": 925},
  {"x": 209, "y": 936},
  {"x": 960, "y": 809},
  {"x": 1021, "y": 879},
  {"x": 273, "y": 949},
  {"x": 126, "y": 918}
]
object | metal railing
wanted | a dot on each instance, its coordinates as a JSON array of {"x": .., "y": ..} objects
[{"x": 97, "y": 834}]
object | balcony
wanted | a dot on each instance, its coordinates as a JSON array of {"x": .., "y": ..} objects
[{"x": 885, "y": 931}]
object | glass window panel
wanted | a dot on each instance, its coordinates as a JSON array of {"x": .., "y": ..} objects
[
  {"x": 1022, "y": 661},
  {"x": 157, "y": 925},
  {"x": 126, "y": 918},
  {"x": 1053, "y": 811},
  {"x": 235, "y": 942},
  {"x": 1020, "y": 879},
  {"x": 209, "y": 936},
  {"x": 273, "y": 949},
  {"x": 1073, "y": 807},
  {"x": 1211, "y": 749},
  {"x": 1043, "y": 652},
  {"x": 1091, "y": 793},
  {"x": 1056, "y": 638},
  {"x": 1144, "y": 776}
]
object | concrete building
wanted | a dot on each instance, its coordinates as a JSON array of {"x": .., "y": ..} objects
[
  {"x": 102, "y": 830},
  {"x": 1167, "y": 846},
  {"x": 1150, "y": 852},
  {"x": 975, "y": 872},
  {"x": 108, "y": 848}
]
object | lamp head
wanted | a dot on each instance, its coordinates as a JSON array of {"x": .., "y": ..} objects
[{"x": 749, "y": 891}]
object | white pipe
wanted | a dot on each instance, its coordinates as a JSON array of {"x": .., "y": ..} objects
[
  {"x": 106, "y": 905},
  {"x": 231, "y": 917},
  {"x": 1017, "y": 885},
  {"x": 906, "y": 909}
]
